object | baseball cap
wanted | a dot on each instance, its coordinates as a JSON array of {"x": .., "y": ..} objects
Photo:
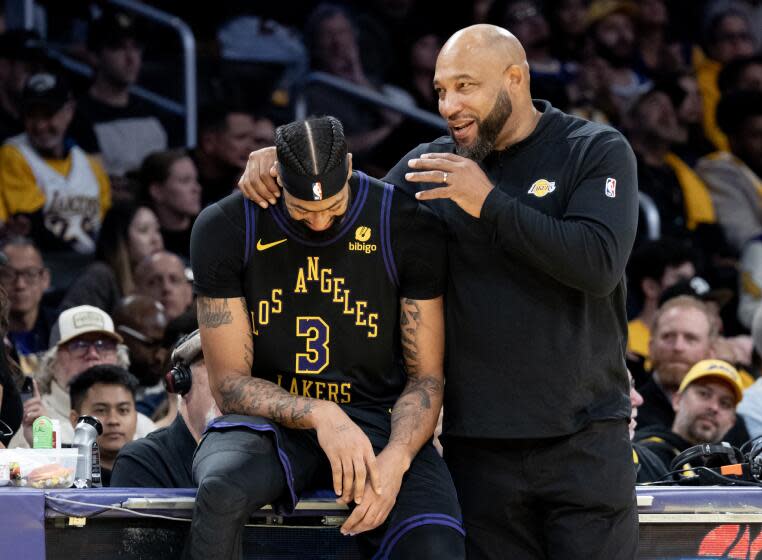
[
  {"x": 698, "y": 288},
  {"x": 83, "y": 319},
  {"x": 111, "y": 30},
  {"x": 46, "y": 90},
  {"x": 717, "y": 369},
  {"x": 600, "y": 9}
]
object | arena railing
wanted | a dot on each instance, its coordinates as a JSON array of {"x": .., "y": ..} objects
[
  {"x": 365, "y": 94},
  {"x": 650, "y": 213},
  {"x": 187, "y": 107}
]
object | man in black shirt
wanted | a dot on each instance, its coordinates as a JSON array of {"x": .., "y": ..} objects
[
  {"x": 322, "y": 326},
  {"x": 541, "y": 209},
  {"x": 705, "y": 410},
  {"x": 164, "y": 458}
]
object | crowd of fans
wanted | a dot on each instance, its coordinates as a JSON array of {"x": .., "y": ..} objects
[{"x": 98, "y": 191}]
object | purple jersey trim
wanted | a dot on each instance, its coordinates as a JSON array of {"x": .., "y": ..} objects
[
  {"x": 394, "y": 534},
  {"x": 386, "y": 244}
]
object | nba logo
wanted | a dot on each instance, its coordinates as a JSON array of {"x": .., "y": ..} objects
[
  {"x": 317, "y": 191},
  {"x": 611, "y": 187}
]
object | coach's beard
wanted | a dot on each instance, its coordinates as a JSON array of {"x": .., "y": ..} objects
[{"x": 488, "y": 129}]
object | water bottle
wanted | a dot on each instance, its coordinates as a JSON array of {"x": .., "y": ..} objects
[{"x": 88, "y": 473}]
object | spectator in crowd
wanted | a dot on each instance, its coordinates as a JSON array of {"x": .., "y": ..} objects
[
  {"x": 568, "y": 20},
  {"x": 25, "y": 279},
  {"x": 705, "y": 410},
  {"x": 130, "y": 233},
  {"x": 62, "y": 192},
  {"x": 741, "y": 74},
  {"x": 659, "y": 53},
  {"x": 170, "y": 184},
  {"x": 736, "y": 350},
  {"x": 226, "y": 136},
  {"x": 164, "y": 458},
  {"x": 726, "y": 37},
  {"x": 648, "y": 466},
  {"x": 682, "y": 335},
  {"x": 680, "y": 195},
  {"x": 682, "y": 89},
  {"x": 612, "y": 31},
  {"x": 163, "y": 277},
  {"x": 108, "y": 393},
  {"x": 652, "y": 268},
  {"x": 419, "y": 66},
  {"x": 525, "y": 19},
  {"x": 122, "y": 128},
  {"x": 734, "y": 177},
  {"x": 21, "y": 55},
  {"x": 331, "y": 39},
  {"x": 142, "y": 321},
  {"x": 83, "y": 337},
  {"x": 11, "y": 407}
]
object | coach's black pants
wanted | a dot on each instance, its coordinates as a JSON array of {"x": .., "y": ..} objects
[{"x": 561, "y": 498}]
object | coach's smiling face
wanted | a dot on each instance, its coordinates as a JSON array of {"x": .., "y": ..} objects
[{"x": 475, "y": 84}]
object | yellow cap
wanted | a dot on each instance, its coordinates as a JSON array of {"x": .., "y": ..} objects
[{"x": 714, "y": 368}]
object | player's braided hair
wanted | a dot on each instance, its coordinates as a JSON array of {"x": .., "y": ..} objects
[{"x": 311, "y": 147}]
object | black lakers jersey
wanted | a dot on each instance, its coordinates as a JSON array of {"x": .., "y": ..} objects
[{"x": 324, "y": 310}]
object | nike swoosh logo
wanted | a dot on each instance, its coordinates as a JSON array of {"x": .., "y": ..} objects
[{"x": 264, "y": 246}]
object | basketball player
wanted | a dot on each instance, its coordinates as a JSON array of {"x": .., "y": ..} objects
[{"x": 322, "y": 326}]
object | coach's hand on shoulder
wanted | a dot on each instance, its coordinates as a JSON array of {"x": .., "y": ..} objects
[
  {"x": 258, "y": 180},
  {"x": 462, "y": 180},
  {"x": 374, "y": 509},
  {"x": 349, "y": 451}
]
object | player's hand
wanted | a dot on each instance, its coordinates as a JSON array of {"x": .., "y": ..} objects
[
  {"x": 463, "y": 181},
  {"x": 350, "y": 453},
  {"x": 33, "y": 409},
  {"x": 374, "y": 509},
  {"x": 258, "y": 182}
]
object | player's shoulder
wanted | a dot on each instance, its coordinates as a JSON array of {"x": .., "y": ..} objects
[{"x": 228, "y": 212}]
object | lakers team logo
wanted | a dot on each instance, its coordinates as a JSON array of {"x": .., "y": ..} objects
[
  {"x": 362, "y": 236},
  {"x": 317, "y": 191},
  {"x": 542, "y": 187}
]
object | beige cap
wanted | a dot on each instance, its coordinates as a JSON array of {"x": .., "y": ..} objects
[{"x": 83, "y": 319}]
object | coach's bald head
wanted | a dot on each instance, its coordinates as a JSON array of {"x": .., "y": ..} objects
[{"x": 482, "y": 79}]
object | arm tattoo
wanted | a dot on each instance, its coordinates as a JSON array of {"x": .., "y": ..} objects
[
  {"x": 410, "y": 316},
  {"x": 253, "y": 396},
  {"x": 212, "y": 312},
  {"x": 414, "y": 405}
]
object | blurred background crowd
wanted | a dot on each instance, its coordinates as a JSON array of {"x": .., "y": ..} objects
[{"x": 101, "y": 177}]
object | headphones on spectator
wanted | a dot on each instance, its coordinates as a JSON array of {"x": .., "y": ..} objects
[
  {"x": 179, "y": 378},
  {"x": 711, "y": 455}
]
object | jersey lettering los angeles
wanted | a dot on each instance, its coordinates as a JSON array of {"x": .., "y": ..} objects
[{"x": 325, "y": 313}]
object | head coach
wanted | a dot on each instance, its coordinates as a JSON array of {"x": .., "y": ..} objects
[{"x": 541, "y": 209}]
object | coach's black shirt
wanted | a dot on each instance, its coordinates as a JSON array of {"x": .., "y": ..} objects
[
  {"x": 536, "y": 325},
  {"x": 324, "y": 308}
]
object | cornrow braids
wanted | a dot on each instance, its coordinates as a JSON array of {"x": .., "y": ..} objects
[
  {"x": 311, "y": 147},
  {"x": 312, "y": 156}
]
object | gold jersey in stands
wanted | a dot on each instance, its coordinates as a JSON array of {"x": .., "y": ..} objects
[{"x": 72, "y": 193}]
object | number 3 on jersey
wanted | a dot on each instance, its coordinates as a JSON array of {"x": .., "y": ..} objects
[{"x": 317, "y": 333}]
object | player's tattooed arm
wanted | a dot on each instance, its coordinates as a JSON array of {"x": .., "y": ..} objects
[
  {"x": 229, "y": 353},
  {"x": 213, "y": 312},
  {"x": 415, "y": 413}
]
